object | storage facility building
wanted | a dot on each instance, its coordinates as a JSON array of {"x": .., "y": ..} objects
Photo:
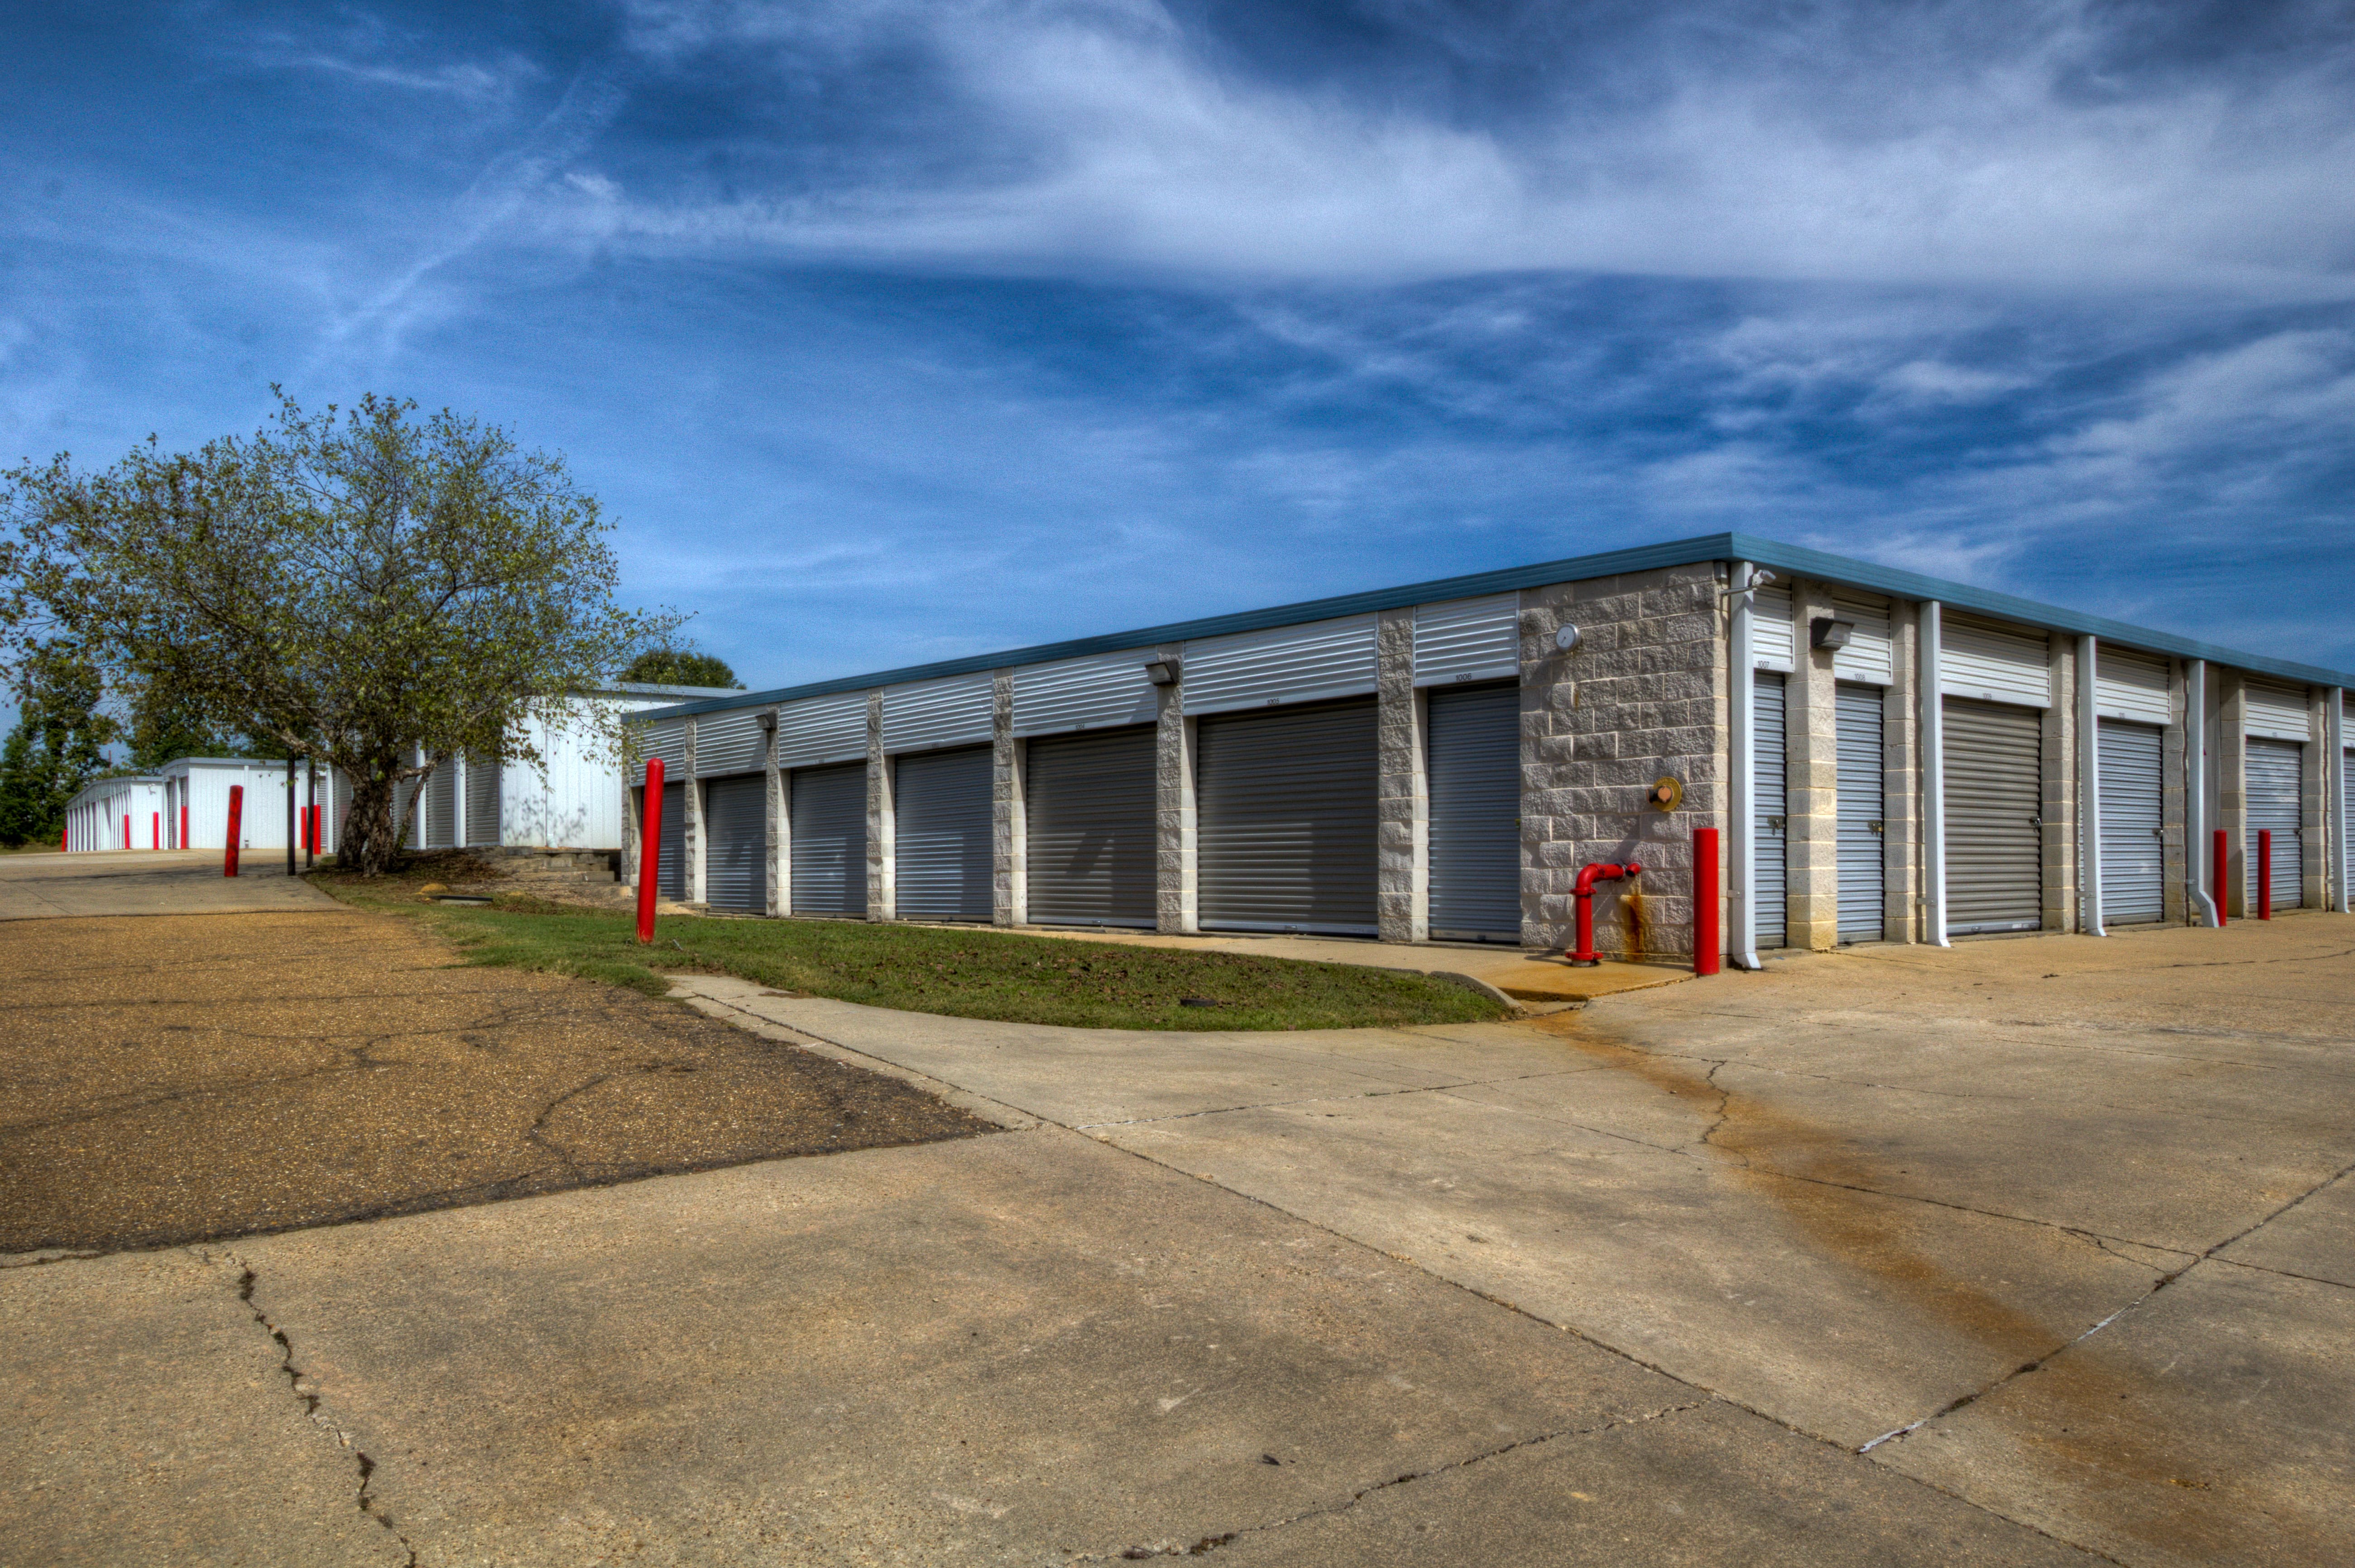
[
  {"x": 117, "y": 815},
  {"x": 1888, "y": 756}
]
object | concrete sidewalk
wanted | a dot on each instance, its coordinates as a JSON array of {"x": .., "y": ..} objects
[{"x": 148, "y": 881}]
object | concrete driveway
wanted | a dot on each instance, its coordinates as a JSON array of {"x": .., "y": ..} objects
[
  {"x": 148, "y": 881},
  {"x": 2008, "y": 1255}
]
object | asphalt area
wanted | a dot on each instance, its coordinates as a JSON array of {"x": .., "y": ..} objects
[{"x": 178, "y": 1079}]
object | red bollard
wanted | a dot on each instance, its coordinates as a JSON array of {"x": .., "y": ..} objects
[
  {"x": 2223, "y": 859},
  {"x": 126, "y": 829},
  {"x": 2264, "y": 873},
  {"x": 650, "y": 850},
  {"x": 1585, "y": 957},
  {"x": 236, "y": 827},
  {"x": 156, "y": 829},
  {"x": 184, "y": 828},
  {"x": 1708, "y": 950}
]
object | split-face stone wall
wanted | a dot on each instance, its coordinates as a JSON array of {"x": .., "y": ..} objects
[
  {"x": 2231, "y": 792},
  {"x": 1811, "y": 779},
  {"x": 1644, "y": 694},
  {"x": 2174, "y": 746},
  {"x": 1009, "y": 837},
  {"x": 881, "y": 857},
  {"x": 1176, "y": 906},
  {"x": 1903, "y": 907},
  {"x": 2059, "y": 804},
  {"x": 1402, "y": 888}
]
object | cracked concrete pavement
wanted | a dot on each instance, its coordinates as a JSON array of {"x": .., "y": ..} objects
[
  {"x": 36, "y": 886},
  {"x": 2028, "y": 1252}
]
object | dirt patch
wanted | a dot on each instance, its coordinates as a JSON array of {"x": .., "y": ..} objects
[{"x": 174, "y": 1080}]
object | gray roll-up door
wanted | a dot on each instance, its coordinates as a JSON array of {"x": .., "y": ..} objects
[
  {"x": 2273, "y": 786},
  {"x": 2133, "y": 793},
  {"x": 482, "y": 801},
  {"x": 942, "y": 834},
  {"x": 1089, "y": 800},
  {"x": 1995, "y": 798},
  {"x": 670, "y": 871},
  {"x": 441, "y": 807},
  {"x": 1474, "y": 756},
  {"x": 1862, "y": 813},
  {"x": 1769, "y": 844},
  {"x": 1287, "y": 819},
  {"x": 736, "y": 842},
  {"x": 829, "y": 840}
]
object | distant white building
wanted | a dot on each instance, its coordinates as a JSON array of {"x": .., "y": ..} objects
[{"x": 118, "y": 814}]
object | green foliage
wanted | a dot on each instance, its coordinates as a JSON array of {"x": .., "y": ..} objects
[
  {"x": 165, "y": 724},
  {"x": 55, "y": 747},
  {"x": 677, "y": 667},
  {"x": 358, "y": 589}
]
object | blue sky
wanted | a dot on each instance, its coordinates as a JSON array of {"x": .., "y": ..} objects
[{"x": 894, "y": 331}]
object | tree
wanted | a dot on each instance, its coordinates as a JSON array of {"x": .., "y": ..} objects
[
  {"x": 378, "y": 591},
  {"x": 57, "y": 747},
  {"x": 166, "y": 723},
  {"x": 678, "y": 667}
]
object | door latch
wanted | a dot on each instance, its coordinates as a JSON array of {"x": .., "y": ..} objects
[
  {"x": 1875, "y": 827},
  {"x": 1775, "y": 824}
]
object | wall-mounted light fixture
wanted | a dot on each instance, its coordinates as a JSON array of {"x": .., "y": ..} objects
[
  {"x": 1825, "y": 632},
  {"x": 1568, "y": 638},
  {"x": 767, "y": 720},
  {"x": 1161, "y": 671}
]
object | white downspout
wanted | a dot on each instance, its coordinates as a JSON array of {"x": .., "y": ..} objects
[
  {"x": 1741, "y": 939},
  {"x": 1934, "y": 778},
  {"x": 2089, "y": 787},
  {"x": 2195, "y": 793}
]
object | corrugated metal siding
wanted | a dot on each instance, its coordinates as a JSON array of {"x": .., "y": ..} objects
[
  {"x": 1862, "y": 808},
  {"x": 440, "y": 807},
  {"x": 942, "y": 834},
  {"x": 1092, "y": 851},
  {"x": 2133, "y": 857},
  {"x": 1468, "y": 640},
  {"x": 1287, "y": 818},
  {"x": 2131, "y": 685},
  {"x": 2277, "y": 712},
  {"x": 1871, "y": 655},
  {"x": 1771, "y": 641},
  {"x": 482, "y": 800},
  {"x": 2273, "y": 771},
  {"x": 816, "y": 731},
  {"x": 929, "y": 714},
  {"x": 830, "y": 841},
  {"x": 1475, "y": 767},
  {"x": 729, "y": 743},
  {"x": 1995, "y": 854},
  {"x": 573, "y": 799},
  {"x": 1281, "y": 664},
  {"x": 666, "y": 738},
  {"x": 1989, "y": 663},
  {"x": 670, "y": 867},
  {"x": 1771, "y": 841},
  {"x": 736, "y": 842},
  {"x": 1098, "y": 692}
]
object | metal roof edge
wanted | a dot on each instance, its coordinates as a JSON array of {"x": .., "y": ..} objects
[{"x": 1818, "y": 565}]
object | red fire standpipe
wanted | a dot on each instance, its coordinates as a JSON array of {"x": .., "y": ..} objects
[
  {"x": 1588, "y": 876},
  {"x": 236, "y": 827},
  {"x": 1708, "y": 952},
  {"x": 650, "y": 849},
  {"x": 2222, "y": 860},
  {"x": 2264, "y": 873}
]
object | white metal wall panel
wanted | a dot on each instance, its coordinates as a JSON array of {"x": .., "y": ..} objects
[
  {"x": 2277, "y": 712},
  {"x": 1863, "y": 810},
  {"x": 2134, "y": 858},
  {"x": 729, "y": 743},
  {"x": 1468, "y": 640},
  {"x": 1992, "y": 663},
  {"x": 736, "y": 842},
  {"x": 1281, "y": 664},
  {"x": 440, "y": 807},
  {"x": 1475, "y": 769},
  {"x": 1771, "y": 642},
  {"x": 816, "y": 731},
  {"x": 482, "y": 800},
  {"x": 1098, "y": 692},
  {"x": 926, "y": 714},
  {"x": 829, "y": 840},
  {"x": 1995, "y": 840},
  {"x": 1287, "y": 819},
  {"x": 1770, "y": 826},
  {"x": 2273, "y": 769},
  {"x": 941, "y": 834},
  {"x": 1089, "y": 801},
  {"x": 1870, "y": 657},
  {"x": 666, "y": 738},
  {"x": 2132, "y": 686}
]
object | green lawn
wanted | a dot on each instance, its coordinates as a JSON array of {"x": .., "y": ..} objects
[{"x": 968, "y": 973}]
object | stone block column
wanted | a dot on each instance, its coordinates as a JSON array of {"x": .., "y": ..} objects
[
  {"x": 2173, "y": 800},
  {"x": 1811, "y": 734},
  {"x": 780, "y": 819},
  {"x": 1176, "y": 906},
  {"x": 2232, "y": 790},
  {"x": 2314, "y": 802},
  {"x": 1402, "y": 888},
  {"x": 1903, "y": 902},
  {"x": 2058, "y": 806},
  {"x": 1009, "y": 827},
  {"x": 882, "y": 859},
  {"x": 691, "y": 825}
]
